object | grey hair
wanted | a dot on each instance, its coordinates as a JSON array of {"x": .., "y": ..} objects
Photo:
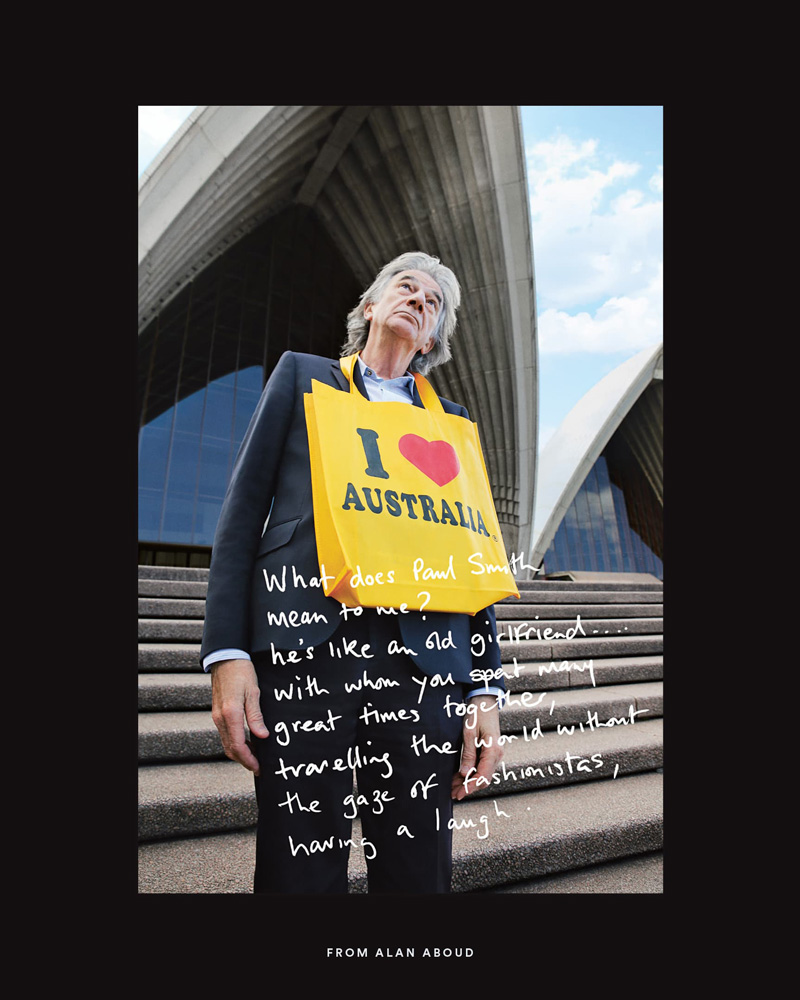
[{"x": 358, "y": 325}]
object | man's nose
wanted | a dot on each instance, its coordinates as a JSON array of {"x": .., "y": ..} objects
[{"x": 415, "y": 301}]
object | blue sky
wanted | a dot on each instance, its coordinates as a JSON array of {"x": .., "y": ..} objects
[{"x": 595, "y": 178}]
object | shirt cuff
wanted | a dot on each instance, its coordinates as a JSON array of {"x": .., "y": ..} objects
[
  {"x": 483, "y": 689},
  {"x": 223, "y": 654}
]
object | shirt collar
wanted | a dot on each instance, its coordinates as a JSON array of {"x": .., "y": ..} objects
[{"x": 407, "y": 380}]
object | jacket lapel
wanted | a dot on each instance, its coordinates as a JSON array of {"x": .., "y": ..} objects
[
  {"x": 359, "y": 380},
  {"x": 338, "y": 377},
  {"x": 339, "y": 380}
]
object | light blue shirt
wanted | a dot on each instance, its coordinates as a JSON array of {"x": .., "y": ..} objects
[{"x": 397, "y": 390}]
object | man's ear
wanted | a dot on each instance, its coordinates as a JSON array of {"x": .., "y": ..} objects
[
  {"x": 368, "y": 311},
  {"x": 429, "y": 346}
]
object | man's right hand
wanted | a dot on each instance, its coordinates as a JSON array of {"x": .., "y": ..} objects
[{"x": 234, "y": 700}]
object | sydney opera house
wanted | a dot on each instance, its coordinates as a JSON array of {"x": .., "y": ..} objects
[{"x": 259, "y": 227}]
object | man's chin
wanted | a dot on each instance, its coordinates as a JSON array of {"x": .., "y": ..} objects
[{"x": 406, "y": 328}]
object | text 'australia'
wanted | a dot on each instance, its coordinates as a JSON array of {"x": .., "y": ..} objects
[{"x": 413, "y": 506}]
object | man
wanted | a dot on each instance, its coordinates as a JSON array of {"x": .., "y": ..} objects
[{"x": 347, "y": 690}]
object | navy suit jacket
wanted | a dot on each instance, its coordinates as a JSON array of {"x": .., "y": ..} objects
[{"x": 272, "y": 479}]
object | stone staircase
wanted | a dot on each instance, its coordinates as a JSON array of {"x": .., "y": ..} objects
[{"x": 577, "y": 804}]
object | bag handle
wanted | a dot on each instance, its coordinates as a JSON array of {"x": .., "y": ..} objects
[{"x": 429, "y": 398}]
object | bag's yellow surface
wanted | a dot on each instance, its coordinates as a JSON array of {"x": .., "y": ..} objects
[{"x": 403, "y": 511}]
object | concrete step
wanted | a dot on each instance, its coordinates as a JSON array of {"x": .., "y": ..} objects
[
  {"x": 188, "y": 630},
  {"x": 171, "y": 743},
  {"x": 191, "y": 689},
  {"x": 641, "y": 874},
  {"x": 197, "y": 589},
  {"x": 534, "y": 835},
  {"x": 593, "y": 585},
  {"x": 630, "y": 659},
  {"x": 214, "y": 863},
  {"x": 544, "y": 629},
  {"x": 174, "y": 692},
  {"x": 168, "y": 607},
  {"x": 562, "y": 596},
  {"x": 174, "y": 736},
  {"x": 554, "y": 674},
  {"x": 555, "y": 759},
  {"x": 617, "y": 705},
  {"x": 173, "y": 573},
  {"x": 173, "y": 588},
  {"x": 617, "y": 582},
  {"x": 178, "y": 800},
  {"x": 223, "y": 863},
  {"x": 154, "y": 657},
  {"x": 191, "y": 735},
  {"x": 533, "y": 614},
  {"x": 170, "y": 630},
  {"x": 531, "y": 663},
  {"x": 556, "y": 829},
  {"x": 612, "y": 616},
  {"x": 524, "y": 612},
  {"x": 580, "y": 648}
]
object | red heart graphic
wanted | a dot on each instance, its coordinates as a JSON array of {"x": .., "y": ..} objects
[{"x": 436, "y": 459}]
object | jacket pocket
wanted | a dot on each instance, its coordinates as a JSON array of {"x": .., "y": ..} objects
[{"x": 277, "y": 535}]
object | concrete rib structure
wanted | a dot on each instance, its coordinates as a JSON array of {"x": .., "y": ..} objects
[
  {"x": 381, "y": 180},
  {"x": 627, "y": 401}
]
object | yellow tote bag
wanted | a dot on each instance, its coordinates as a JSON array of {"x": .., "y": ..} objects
[{"x": 403, "y": 511}]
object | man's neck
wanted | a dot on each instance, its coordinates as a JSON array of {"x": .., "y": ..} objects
[{"x": 389, "y": 361}]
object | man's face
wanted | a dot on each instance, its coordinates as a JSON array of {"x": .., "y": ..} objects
[{"x": 409, "y": 309}]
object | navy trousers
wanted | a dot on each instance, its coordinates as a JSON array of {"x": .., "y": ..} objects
[{"x": 355, "y": 729}]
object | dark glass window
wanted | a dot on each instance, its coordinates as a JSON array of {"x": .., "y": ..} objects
[
  {"x": 205, "y": 357},
  {"x": 596, "y": 532},
  {"x": 185, "y": 458}
]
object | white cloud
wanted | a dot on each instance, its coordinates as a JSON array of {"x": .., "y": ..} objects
[
  {"x": 597, "y": 248},
  {"x": 621, "y": 323},
  {"x": 547, "y": 160},
  {"x": 657, "y": 181}
]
